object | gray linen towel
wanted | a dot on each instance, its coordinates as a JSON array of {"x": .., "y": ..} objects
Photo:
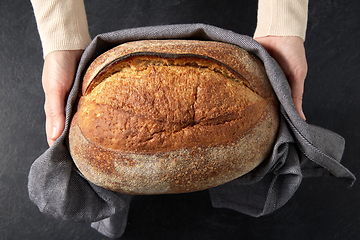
[{"x": 301, "y": 150}]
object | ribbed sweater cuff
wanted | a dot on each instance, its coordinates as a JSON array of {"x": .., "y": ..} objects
[
  {"x": 62, "y": 24},
  {"x": 282, "y": 18}
]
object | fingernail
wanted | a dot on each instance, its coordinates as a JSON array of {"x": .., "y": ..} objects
[
  {"x": 303, "y": 115},
  {"x": 54, "y": 133}
]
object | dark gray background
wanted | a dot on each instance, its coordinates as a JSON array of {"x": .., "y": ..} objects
[{"x": 322, "y": 208}]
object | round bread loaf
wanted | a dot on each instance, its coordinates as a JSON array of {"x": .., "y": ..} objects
[{"x": 172, "y": 116}]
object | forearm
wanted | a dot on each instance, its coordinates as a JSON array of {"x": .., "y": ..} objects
[
  {"x": 62, "y": 24},
  {"x": 282, "y": 18}
]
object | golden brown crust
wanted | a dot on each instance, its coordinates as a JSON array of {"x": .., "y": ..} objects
[
  {"x": 170, "y": 116},
  {"x": 238, "y": 59},
  {"x": 157, "y": 104},
  {"x": 184, "y": 170}
]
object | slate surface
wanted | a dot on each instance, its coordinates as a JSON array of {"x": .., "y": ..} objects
[{"x": 322, "y": 208}]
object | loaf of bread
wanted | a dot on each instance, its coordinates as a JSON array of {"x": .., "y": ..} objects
[{"x": 172, "y": 116}]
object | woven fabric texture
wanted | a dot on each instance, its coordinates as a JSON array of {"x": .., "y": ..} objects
[{"x": 301, "y": 150}]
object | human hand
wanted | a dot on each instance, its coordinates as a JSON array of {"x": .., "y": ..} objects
[
  {"x": 57, "y": 78},
  {"x": 289, "y": 52}
]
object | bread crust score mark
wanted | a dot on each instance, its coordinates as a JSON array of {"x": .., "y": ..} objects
[{"x": 164, "y": 122}]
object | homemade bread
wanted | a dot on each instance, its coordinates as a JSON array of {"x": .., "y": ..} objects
[{"x": 172, "y": 116}]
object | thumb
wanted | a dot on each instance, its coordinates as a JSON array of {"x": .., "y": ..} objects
[{"x": 55, "y": 114}]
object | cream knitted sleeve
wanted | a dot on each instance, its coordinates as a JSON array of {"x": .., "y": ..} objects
[
  {"x": 282, "y": 18},
  {"x": 62, "y": 24}
]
